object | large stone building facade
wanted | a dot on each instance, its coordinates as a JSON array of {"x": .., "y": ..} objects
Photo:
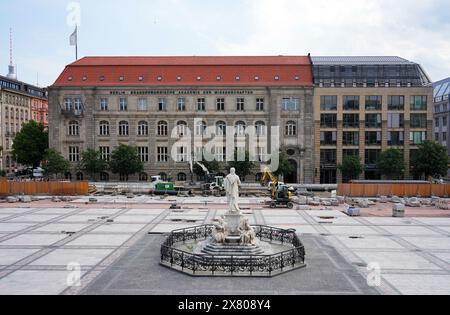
[
  {"x": 154, "y": 103},
  {"x": 17, "y": 101},
  {"x": 318, "y": 109},
  {"x": 441, "y": 110}
]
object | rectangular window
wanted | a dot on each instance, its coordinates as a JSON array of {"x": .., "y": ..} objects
[
  {"x": 77, "y": 105},
  {"x": 419, "y": 102},
  {"x": 104, "y": 104},
  {"x": 221, "y": 154},
  {"x": 350, "y": 138},
  {"x": 444, "y": 121},
  {"x": 350, "y": 152},
  {"x": 396, "y": 102},
  {"x": 260, "y": 104},
  {"x": 328, "y": 102},
  {"x": 74, "y": 154},
  {"x": 201, "y": 104},
  {"x": 396, "y": 120},
  {"x": 143, "y": 154},
  {"x": 142, "y": 105},
  {"x": 328, "y": 120},
  {"x": 328, "y": 138},
  {"x": 162, "y": 154},
  {"x": 288, "y": 104},
  {"x": 220, "y": 104},
  {"x": 373, "y": 138},
  {"x": 351, "y": 120},
  {"x": 396, "y": 138},
  {"x": 373, "y": 120},
  {"x": 68, "y": 105},
  {"x": 328, "y": 157},
  {"x": 181, "y": 154},
  {"x": 162, "y": 105},
  {"x": 436, "y": 122},
  {"x": 417, "y": 137},
  {"x": 418, "y": 120},
  {"x": 123, "y": 104},
  {"x": 181, "y": 104},
  {"x": 240, "y": 104},
  {"x": 372, "y": 157},
  {"x": 444, "y": 136},
  {"x": 436, "y": 137},
  {"x": 105, "y": 153},
  {"x": 374, "y": 102},
  {"x": 351, "y": 102}
]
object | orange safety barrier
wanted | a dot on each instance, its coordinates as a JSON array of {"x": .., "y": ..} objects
[
  {"x": 44, "y": 188},
  {"x": 401, "y": 190}
]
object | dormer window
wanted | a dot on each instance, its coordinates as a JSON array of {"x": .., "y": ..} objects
[
  {"x": 121, "y": 78},
  {"x": 141, "y": 78},
  {"x": 277, "y": 78},
  {"x": 102, "y": 78},
  {"x": 296, "y": 78},
  {"x": 218, "y": 78},
  {"x": 199, "y": 78},
  {"x": 159, "y": 78},
  {"x": 84, "y": 78},
  {"x": 178, "y": 78},
  {"x": 256, "y": 78},
  {"x": 238, "y": 78},
  {"x": 70, "y": 78}
]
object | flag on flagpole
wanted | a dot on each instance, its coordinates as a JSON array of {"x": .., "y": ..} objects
[{"x": 73, "y": 37}]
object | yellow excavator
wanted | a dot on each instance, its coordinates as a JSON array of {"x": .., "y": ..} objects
[{"x": 281, "y": 194}]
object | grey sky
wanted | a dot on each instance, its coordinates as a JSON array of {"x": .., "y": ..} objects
[{"x": 415, "y": 29}]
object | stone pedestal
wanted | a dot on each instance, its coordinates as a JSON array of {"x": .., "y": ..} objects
[{"x": 233, "y": 220}]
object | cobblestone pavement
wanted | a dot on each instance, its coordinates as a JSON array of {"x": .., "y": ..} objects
[{"x": 42, "y": 246}]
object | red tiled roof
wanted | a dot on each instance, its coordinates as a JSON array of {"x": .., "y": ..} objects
[{"x": 188, "y": 71}]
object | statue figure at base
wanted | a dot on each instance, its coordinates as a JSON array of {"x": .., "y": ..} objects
[
  {"x": 248, "y": 235},
  {"x": 220, "y": 232}
]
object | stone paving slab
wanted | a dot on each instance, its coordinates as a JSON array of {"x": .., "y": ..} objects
[
  {"x": 351, "y": 230},
  {"x": 135, "y": 219},
  {"x": 370, "y": 242},
  {"x": 59, "y": 227},
  {"x": 14, "y": 227},
  {"x": 397, "y": 260},
  {"x": 390, "y": 221},
  {"x": 33, "y": 218},
  {"x": 409, "y": 230},
  {"x": 11, "y": 256},
  {"x": 100, "y": 240},
  {"x": 429, "y": 243},
  {"x": 33, "y": 240},
  {"x": 64, "y": 257},
  {"x": 119, "y": 228},
  {"x": 443, "y": 256},
  {"x": 411, "y": 284}
]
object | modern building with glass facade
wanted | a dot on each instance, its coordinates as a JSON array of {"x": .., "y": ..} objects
[
  {"x": 441, "y": 110},
  {"x": 365, "y": 105}
]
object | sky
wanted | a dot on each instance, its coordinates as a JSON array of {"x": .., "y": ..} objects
[{"x": 417, "y": 30}]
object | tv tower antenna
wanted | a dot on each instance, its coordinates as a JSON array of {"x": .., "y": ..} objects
[{"x": 11, "y": 68}]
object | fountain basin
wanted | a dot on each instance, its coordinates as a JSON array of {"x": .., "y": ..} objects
[{"x": 193, "y": 252}]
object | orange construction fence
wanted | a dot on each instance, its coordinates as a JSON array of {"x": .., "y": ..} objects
[
  {"x": 401, "y": 190},
  {"x": 8, "y": 188}
]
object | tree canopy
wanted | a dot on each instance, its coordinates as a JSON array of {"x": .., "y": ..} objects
[
  {"x": 54, "y": 163},
  {"x": 125, "y": 160},
  {"x": 430, "y": 160},
  {"x": 351, "y": 167},
  {"x": 391, "y": 164},
  {"x": 92, "y": 163},
  {"x": 30, "y": 144},
  {"x": 243, "y": 168}
]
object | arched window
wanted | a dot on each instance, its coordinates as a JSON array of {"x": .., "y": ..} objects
[
  {"x": 124, "y": 128},
  {"x": 163, "y": 128},
  {"x": 221, "y": 128},
  {"x": 6, "y": 112},
  {"x": 143, "y": 177},
  {"x": 68, "y": 176},
  {"x": 74, "y": 128},
  {"x": 104, "y": 128},
  {"x": 240, "y": 128},
  {"x": 8, "y": 161},
  {"x": 80, "y": 176},
  {"x": 291, "y": 128},
  {"x": 143, "y": 128},
  {"x": 163, "y": 176},
  {"x": 182, "y": 177},
  {"x": 261, "y": 129},
  {"x": 181, "y": 128},
  {"x": 200, "y": 128}
]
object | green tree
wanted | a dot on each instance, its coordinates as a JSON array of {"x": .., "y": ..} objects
[
  {"x": 212, "y": 166},
  {"x": 243, "y": 168},
  {"x": 430, "y": 160},
  {"x": 30, "y": 144},
  {"x": 285, "y": 167},
  {"x": 351, "y": 167},
  {"x": 54, "y": 163},
  {"x": 391, "y": 164},
  {"x": 125, "y": 161},
  {"x": 92, "y": 163}
]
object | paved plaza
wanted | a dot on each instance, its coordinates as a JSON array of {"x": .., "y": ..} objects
[{"x": 116, "y": 244}]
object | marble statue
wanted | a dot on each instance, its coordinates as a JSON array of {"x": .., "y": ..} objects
[
  {"x": 220, "y": 232},
  {"x": 248, "y": 235},
  {"x": 232, "y": 183}
]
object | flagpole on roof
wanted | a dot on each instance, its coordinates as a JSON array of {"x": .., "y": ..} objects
[{"x": 74, "y": 41}]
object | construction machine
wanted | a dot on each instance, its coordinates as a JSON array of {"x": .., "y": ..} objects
[{"x": 281, "y": 194}]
